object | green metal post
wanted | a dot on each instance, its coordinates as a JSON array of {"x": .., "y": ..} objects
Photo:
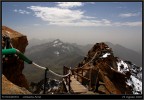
[{"x": 17, "y": 52}]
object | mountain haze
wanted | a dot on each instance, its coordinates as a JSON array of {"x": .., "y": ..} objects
[
  {"x": 118, "y": 49},
  {"x": 127, "y": 54},
  {"x": 53, "y": 55}
]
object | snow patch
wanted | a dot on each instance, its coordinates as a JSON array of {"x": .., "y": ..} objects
[
  {"x": 105, "y": 55},
  {"x": 52, "y": 86},
  {"x": 136, "y": 84},
  {"x": 135, "y": 80},
  {"x": 139, "y": 75},
  {"x": 57, "y": 53},
  {"x": 122, "y": 67},
  {"x": 64, "y": 47},
  {"x": 56, "y": 44}
]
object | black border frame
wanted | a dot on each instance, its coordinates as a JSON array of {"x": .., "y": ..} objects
[{"x": 65, "y": 96}]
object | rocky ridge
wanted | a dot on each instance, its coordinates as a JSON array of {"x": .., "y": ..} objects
[
  {"x": 120, "y": 77},
  {"x": 12, "y": 66}
]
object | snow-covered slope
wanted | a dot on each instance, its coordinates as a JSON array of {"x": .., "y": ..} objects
[
  {"x": 132, "y": 71},
  {"x": 135, "y": 79},
  {"x": 135, "y": 73}
]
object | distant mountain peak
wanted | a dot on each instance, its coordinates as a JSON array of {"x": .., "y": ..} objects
[{"x": 57, "y": 42}]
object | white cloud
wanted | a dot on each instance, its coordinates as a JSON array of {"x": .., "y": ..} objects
[
  {"x": 21, "y": 11},
  {"x": 53, "y": 14},
  {"x": 68, "y": 17},
  {"x": 125, "y": 15},
  {"x": 137, "y": 23},
  {"x": 69, "y": 4},
  {"x": 15, "y": 10}
]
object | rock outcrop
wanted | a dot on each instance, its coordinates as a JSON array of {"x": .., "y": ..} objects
[
  {"x": 12, "y": 66},
  {"x": 101, "y": 58},
  {"x": 10, "y": 88}
]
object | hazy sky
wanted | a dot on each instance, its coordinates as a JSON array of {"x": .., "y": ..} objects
[{"x": 80, "y": 22}]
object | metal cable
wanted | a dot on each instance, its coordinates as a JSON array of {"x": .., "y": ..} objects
[
  {"x": 38, "y": 66},
  {"x": 52, "y": 71},
  {"x": 90, "y": 60},
  {"x": 60, "y": 75}
]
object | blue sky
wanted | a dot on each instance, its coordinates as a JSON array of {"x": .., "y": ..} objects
[{"x": 80, "y": 22}]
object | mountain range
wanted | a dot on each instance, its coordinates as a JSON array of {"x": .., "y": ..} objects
[
  {"x": 55, "y": 51},
  {"x": 118, "y": 49},
  {"x": 55, "y": 54}
]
